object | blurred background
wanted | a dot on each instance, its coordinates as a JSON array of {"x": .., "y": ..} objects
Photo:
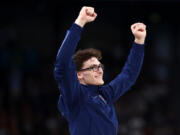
[{"x": 31, "y": 33}]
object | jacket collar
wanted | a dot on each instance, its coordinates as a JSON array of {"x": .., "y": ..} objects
[{"x": 92, "y": 88}]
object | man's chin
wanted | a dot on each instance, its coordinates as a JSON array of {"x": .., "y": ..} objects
[
  {"x": 100, "y": 83},
  {"x": 97, "y": 83}
]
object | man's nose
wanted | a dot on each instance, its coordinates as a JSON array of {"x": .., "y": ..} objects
[{"x": 100, "y": 70}]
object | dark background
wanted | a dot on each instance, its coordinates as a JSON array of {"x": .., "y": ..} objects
[{"x": 31, "y": 33}]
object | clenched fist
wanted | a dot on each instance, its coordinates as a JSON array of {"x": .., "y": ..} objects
[
  {"x": 139, "y": 32},
  {"x": 87, "y": 14}
]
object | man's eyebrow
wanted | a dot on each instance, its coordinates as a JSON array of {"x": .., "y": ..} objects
[{"x": 96, "y": 64}]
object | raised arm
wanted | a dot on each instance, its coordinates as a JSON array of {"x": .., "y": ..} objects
[
  {"x": 131, "y": 69},
  {"x": 72, "y": 37}
]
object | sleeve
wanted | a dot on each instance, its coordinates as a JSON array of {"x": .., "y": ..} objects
[
  {"x": 127, "y": 77},
  {"x": 65, "y": 70}
]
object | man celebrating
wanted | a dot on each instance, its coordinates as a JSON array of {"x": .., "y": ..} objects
[{"x": 84, "y": 100}]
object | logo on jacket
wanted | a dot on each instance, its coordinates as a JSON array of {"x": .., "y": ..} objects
[{"x": 101, "y": 97}]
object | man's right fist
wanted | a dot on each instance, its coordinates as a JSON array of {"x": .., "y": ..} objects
[{"x": 87, "y": 14}]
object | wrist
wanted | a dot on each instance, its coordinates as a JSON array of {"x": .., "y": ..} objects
[
  {"x": 139, "y": 41},
  {"x": 80, "y": 22}
]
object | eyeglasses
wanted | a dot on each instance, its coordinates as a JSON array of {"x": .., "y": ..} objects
[{"x": 95, "y": 68}]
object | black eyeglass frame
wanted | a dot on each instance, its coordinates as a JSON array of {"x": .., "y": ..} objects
[{"x": 95, "y": 68}]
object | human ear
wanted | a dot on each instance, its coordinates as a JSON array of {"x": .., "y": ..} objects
[{"x": 79, "y": 75}]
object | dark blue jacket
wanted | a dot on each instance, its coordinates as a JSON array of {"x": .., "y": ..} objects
[{"x": 89, "y": 109}]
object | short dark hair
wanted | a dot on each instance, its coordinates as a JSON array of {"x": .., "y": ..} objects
[{"x": 83, "y": 55}]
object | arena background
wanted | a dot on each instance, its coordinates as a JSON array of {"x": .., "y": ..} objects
[{"x": 31, "y": 33}]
